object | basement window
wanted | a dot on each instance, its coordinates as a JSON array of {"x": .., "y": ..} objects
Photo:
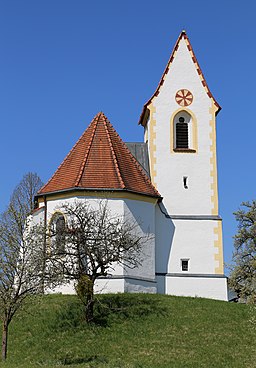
[{"x": 184, "y": 264}]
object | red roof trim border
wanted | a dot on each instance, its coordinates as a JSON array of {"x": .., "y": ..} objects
[
  {"x": 199, "y": 71},
  {"x": 87, "y": 152},
  {"x": 114, "y": 156}
]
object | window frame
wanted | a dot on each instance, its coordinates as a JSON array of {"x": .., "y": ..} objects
[
  {"x": 182, "y": 261},
  {"x": 192, "y": 131},
  {"x": 53, "y": 228}
]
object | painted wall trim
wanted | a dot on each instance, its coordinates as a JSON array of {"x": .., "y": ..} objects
[
  {"x": 196, "y": 217},
  {"x": 123, "y": 277},
  {"x": 193, "y": 149},
  {"x": 189, "y": 217},
  {"x": 213, "y": 161},
  {"x": 218, "y": 245},
  {"x": 152, "y": 143},
  {"x": 210, "y": 276},
  {"x": 108, "y": 194}
]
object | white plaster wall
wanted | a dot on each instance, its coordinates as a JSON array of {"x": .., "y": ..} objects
[
  {"x": 38, "y": 216},
  {"x": 212, "y": 288},
  {"x": 115, "y": 205},
  {"x": 144, "y": 214},
  {"x": 178, "y": 239},
  {"x": 165, "y": 230},
  {"x": 102, "y": 286},
  {"x": 139, "y": 286},
  {"x": 140, "y": 279},
  {"x": 171, "y": 167},
  {"x": 111, "y": 285},
  {"x": 193, "y": 240}
]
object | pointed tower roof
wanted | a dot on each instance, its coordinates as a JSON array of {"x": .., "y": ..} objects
[
  {"x": 100, "y": 160},
  {"x": 184, "y": 36}
]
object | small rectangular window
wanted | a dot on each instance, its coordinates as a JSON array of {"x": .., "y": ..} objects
[{"x": 184, "y": 264}]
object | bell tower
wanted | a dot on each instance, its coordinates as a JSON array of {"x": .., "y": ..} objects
[{"x": 179, "y": 124}]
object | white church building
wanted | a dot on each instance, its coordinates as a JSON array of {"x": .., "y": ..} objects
[{"x": 168, "y": 183}]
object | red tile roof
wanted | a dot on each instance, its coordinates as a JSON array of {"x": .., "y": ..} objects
[
  {"x": 100, "y": 160},
  {"x": 199, "y": 71}
]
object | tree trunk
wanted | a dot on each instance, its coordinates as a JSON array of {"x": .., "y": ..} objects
[
  {"x": 85, "y": 292},
  {"x": 89, "y": 306},
  {"x": 4, "y": 339}
]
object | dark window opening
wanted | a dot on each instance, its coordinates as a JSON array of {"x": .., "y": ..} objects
[
  {"x": 185, "y": 182},
  {"x": 182, "y": 134},
  {"x": 59, "y": 233},
  {"x": 184, "y": 265}
]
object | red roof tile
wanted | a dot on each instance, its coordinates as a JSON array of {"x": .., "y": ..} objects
[
  {"x": 199, "y": 71},
  {"x": 100, "y": 160}
]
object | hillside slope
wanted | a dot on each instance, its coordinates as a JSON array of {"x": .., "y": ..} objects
[{"x": 133, "y": 331}]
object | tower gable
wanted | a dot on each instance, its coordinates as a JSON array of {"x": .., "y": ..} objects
[
  {"x": 179, "y": 123},
  {"x": 183, "y": 66}
]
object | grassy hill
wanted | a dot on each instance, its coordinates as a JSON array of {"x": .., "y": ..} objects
[{"x": 133, "y": 331}]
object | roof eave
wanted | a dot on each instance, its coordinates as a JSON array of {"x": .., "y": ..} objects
[{"x": 97, "y": 190}]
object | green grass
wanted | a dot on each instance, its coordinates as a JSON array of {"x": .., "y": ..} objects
[{"x": 133, "y": 331}]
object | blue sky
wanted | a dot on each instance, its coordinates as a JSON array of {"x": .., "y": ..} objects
[{"x": 63, "y": 61}]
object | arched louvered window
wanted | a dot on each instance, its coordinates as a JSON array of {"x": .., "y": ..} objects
[
  {"x": 183, "y": 132},
  {"x": 58, "y": 226}
]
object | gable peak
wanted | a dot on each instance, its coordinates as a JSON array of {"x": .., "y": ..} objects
[{"x": 182, "y": 36}]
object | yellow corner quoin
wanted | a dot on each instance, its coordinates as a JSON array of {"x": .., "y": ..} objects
[
  {"x": 213, "y": 163},
  {"x": 152, "y": 143},
  {"x": 194, "y": 130},
  {"x": 99, "y": 194},
  {"x": 218, "y": 245}
]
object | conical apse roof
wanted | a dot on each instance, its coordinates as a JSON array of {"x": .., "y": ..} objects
[{"x": 100, "y": 160}]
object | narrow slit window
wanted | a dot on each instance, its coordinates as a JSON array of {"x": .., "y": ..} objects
[{"x": 185, "y": 182}]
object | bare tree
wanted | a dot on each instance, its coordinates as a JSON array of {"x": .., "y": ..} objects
[
  {"x": 243, "y": 272},
  {"x": 22, "y": 199},
  {"x": 95, "y": 240},
  {"x": 20, "y": 258}
]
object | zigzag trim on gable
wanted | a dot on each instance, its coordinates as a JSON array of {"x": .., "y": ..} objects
[{"x": 144, "y": 114}]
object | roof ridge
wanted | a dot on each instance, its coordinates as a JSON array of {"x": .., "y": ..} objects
[
  {"x": 70, "y": 152},
  {"x": 106, "y": 122},
  {"x": 88, "y": 150},
  {"x": 137, "y": 164},
  {"x": 170, "y": 60}
]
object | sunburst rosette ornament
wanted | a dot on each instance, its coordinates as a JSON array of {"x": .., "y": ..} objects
[{"x": 184, "y": 97}]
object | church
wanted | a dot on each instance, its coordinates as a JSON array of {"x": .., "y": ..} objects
[{"x": 168, "y": 184}]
